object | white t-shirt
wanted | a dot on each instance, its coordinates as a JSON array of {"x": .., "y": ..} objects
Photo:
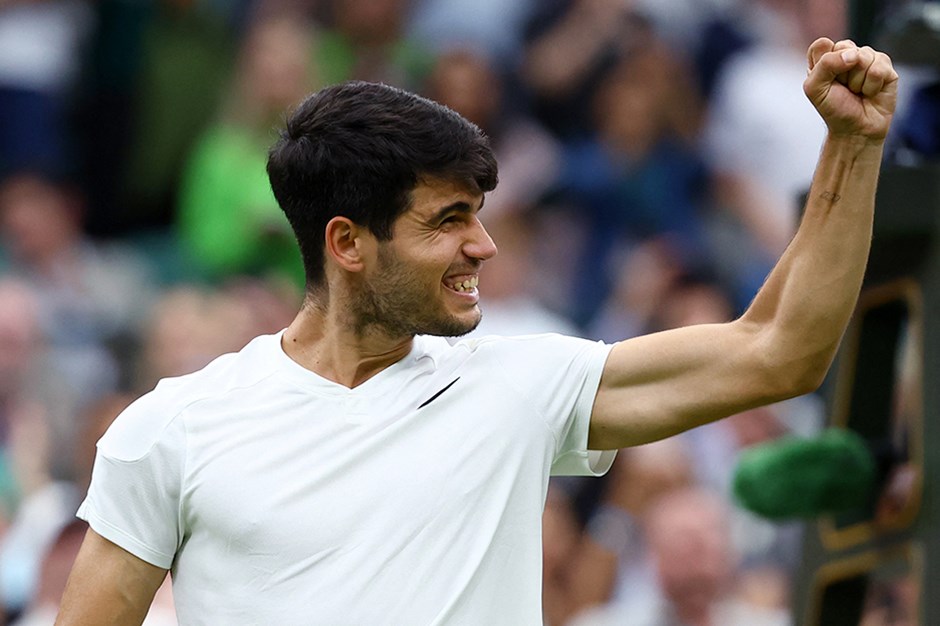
[{"x": 279, "y": 497}]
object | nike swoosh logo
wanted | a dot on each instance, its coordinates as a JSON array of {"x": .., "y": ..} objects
[{"x": 437, "y": 395}]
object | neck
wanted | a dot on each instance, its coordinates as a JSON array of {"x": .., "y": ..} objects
[{"x": 324, "y": 341}]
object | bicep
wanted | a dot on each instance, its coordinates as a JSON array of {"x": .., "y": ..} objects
[
  {"x": 108, "y": 586},
  {"x": 659, "y": 385}
]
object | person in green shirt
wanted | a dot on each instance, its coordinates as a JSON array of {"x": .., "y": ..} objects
[{"x": 228, "y": 220}]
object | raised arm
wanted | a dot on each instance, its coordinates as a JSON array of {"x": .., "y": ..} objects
[
  {"x": 662, "y": 384},
  {"x": 108, "y": 586}
]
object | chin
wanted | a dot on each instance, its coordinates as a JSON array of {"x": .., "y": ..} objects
[{"x": 455, "y": 326}]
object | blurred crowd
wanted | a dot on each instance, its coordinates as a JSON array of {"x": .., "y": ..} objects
[{"x": 653, "y": 155}]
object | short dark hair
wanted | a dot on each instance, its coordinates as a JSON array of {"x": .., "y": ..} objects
[{"x": 358, "y": 149}]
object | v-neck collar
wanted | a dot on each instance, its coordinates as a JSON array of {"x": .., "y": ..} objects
[{"x": 319, "y": 384}]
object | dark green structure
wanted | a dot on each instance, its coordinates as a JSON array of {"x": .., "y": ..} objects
[{"x": 885, "y": 388}]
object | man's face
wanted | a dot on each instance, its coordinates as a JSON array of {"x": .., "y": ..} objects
[{"x": 424, "y": 280}]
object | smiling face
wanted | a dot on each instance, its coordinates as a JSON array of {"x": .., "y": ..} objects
[{"x": 424, "y": 279}]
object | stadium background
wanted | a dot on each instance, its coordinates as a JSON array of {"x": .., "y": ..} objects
[{"x": 653, "y": 156}]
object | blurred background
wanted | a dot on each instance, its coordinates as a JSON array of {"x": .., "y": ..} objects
[{"x": 653, "y": 158}]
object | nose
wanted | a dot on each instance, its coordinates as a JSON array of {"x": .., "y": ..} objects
[{"x": 479, "y": 244}]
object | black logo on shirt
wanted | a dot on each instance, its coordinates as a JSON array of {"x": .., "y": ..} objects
[{"x": 435, "y": 396}]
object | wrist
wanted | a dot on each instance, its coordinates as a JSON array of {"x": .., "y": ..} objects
[{"x": 855, "y": 144}]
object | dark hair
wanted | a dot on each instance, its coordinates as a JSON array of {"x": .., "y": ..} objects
[{"x": 358, "y": 150}]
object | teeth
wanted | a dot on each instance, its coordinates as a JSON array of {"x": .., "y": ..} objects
[{"x": 467, "y": 285}]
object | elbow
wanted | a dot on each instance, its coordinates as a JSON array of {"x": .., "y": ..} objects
[
  {"x": 808, "y": 380},
  {"x": 790, "y": 382},
  {"x": 792, "y": 370},
  {"x": 782, "y": 385}
]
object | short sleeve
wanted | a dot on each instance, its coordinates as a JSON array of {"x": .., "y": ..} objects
[
  {"x": 133, "y": 500},
  {"x": 573, "y": 457},
  {"x": 559, "y": 377}
]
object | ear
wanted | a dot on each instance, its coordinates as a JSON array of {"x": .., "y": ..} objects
[{"x": 347, "y": 243}]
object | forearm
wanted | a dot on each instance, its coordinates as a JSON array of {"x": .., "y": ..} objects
[{"x": 807, "y": 301}]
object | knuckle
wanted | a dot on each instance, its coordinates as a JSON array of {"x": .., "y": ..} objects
[{"x": 882, "y": 69}]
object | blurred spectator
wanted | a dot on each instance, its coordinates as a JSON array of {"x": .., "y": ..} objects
[
  {"x": 92, "y": 296},
  {"x": 366, "y": 40},
  {"x": 636, "y": 177},
  {"x": 570, "y": 46},
  {"x": 40, "y": 46},
  {"x": 190, "y": 326},
  {"x": 693, "y": 562},
  {"x": 229, "y": 221},
  {"x": 613, "y": 565}
]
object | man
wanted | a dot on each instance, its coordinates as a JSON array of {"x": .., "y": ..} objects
[{"x": 353, "y": 470}]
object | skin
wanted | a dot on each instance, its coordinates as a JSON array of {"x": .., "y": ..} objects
[{"x": 652, "y": 386}]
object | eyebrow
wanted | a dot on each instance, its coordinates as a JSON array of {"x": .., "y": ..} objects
[{"x": 460, "y": 207}]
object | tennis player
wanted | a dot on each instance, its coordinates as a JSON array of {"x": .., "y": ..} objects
[{"x": 356, "y": 468}]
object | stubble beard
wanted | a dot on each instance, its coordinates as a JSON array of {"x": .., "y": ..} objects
[{"x": 396, "y": 304}]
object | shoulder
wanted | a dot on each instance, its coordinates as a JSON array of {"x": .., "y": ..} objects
[{"x": 154, "y": 418}]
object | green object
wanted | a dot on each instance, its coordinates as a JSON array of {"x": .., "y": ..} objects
[
  {"x": 795, "y": 477},
  {"x": 229, "y": 222}
]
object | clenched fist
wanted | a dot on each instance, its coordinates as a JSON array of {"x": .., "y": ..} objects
[{"x": 854, "y": 89}]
